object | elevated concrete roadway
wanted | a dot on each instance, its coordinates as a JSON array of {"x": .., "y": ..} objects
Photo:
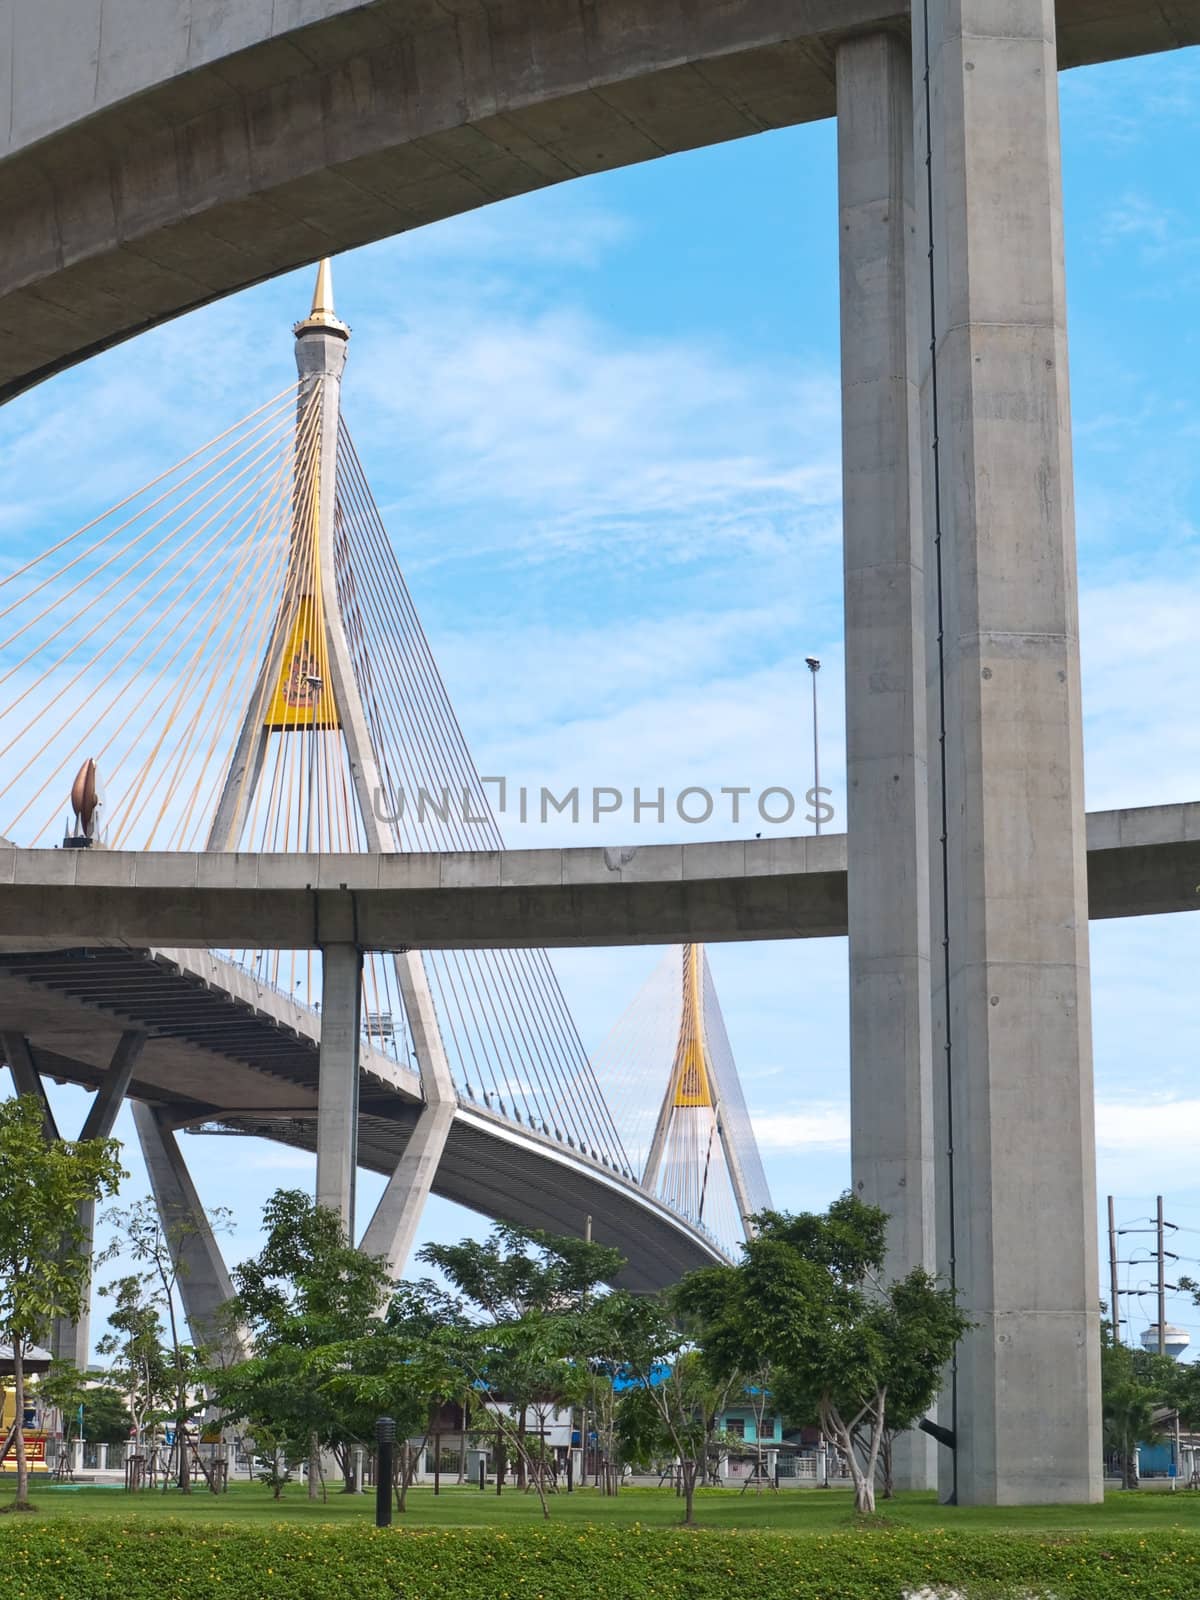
[
  {"x": 224, "y": 1052},
  {"x": 1140, "y": 862},
  {"x": 157, "y": 154}
]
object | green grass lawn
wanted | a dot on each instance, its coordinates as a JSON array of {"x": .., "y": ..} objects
[
  {"x": 805, "y": 1511},
  {"x": 102, "y": 1544}
]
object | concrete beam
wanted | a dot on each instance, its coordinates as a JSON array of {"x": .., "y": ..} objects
[
  {"x": 1144, "y": 862},
  {"x": 180, "y": 152}
]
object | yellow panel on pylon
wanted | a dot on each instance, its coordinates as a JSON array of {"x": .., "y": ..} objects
[
  {"x": 691, "y": 1071},
  {"x": 691, "y": 1080},
  {"x": 303, "y": 697}
]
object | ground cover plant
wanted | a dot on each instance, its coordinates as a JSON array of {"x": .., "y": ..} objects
[{"x": 92, "y": 1544}]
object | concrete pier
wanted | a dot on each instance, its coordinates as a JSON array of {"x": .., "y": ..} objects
[
  {"x": 886, "y": 787},
  {"x": 337, "y": 1106},
  {"x": 71, "y": 1341},
  {"x": 203, "y": 1281},
  {"x": 1017, "y": 1212}
]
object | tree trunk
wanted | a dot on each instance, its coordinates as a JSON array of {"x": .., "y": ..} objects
[
  {"x": 885, "y": 1464},
  {"x": 1129, "y": 1464},
  {"x": 522, "y": 1478},
  {"x": 18, "y": 1355},
  {"x": 314, "y": 1468},
  {"x": 687, "y": 1472}
]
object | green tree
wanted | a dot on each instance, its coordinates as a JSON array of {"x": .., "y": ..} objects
[
  {"x": 672, "y": 1403},
  {"x": 141, "y": 1365},
  {"x": 808, "y": 1297},
  {"x": 308, "y": 1289},
  {"x": 45, "y": 1250},
  {"x": 530, "y": 1292},
  {"x": 405, "y": 1367},
  {"x": 159, "y": 1251},
  {"x": 1134, "y": 1385},
  {"x": 106, "y": 1419}
]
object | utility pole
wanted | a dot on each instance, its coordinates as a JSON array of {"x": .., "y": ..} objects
[
  {"x": 1160, "y": 1254},
  {"x": 1162, "y": 1284},
  {"x": 1115, "y": 1308}
]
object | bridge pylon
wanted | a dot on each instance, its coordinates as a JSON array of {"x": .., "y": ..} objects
[
  {"x": 702, "y": 1157},
  {"x": 307, "y": 691}
]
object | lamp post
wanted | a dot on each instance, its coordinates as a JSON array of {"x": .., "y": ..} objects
[
  {"x": 814, "y": 666},
  {"x": 385, "y": 1439}
]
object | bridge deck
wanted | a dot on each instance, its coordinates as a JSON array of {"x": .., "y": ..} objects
[
  {"x": 152, "y": 164},
  {"x": 1140, "y": 862}
]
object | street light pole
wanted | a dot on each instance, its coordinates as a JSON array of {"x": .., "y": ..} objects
[{"x": 814, "y": 666}]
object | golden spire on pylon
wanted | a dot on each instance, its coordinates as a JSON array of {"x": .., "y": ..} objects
[{"x": 322, "y": 316}]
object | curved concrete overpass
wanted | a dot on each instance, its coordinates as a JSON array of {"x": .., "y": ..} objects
[
  {"x": 1141, "y": 862},
  {"x": 157, "y": 154}
]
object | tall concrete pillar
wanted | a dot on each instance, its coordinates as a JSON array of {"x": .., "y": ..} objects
[
  {"x": 886, "y": 781},
  {"x": 337, "y": 1103},
  {"x": 71, "y": 1341},
  {"x": 203, "y": 1281},
  {"x": 1017, "y": 1211}
]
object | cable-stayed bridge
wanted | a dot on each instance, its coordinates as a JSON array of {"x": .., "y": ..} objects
[{"x": 234, "y": 648}]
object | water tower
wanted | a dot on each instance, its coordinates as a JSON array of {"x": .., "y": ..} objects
[{"x": 1175, "y": 1340}]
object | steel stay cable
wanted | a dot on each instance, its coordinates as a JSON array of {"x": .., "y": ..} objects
[
  {"x": 114, "y": 701},
  {"x": 116, "y": 555},
  {"x": 423, "y": 695},
  {"x": 236, "y": 626},
  {"x": 144, "y": 770},
  {"x": 44, "y": 555},
  {"x": 174, "y": 574}
]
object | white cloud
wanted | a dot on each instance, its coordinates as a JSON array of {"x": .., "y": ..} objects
[{"x": 816, "y": 1127}]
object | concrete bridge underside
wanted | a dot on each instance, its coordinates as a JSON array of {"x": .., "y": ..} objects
[
  {"x": 224, "y": 1052},
  {"x": 158, "y": 154}
]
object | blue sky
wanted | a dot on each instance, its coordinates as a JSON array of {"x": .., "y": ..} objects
[{"x": 602, "y": 424}]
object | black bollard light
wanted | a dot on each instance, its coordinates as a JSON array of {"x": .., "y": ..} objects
[{"x": 385, "y": 1439}]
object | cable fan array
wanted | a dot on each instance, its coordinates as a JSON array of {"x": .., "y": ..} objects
[
  {"x": 673, "y": 1034},
  {"x": 142, "y": 639}
]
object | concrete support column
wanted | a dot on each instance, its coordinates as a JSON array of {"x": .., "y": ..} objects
[
  {"x": 203, "y": 1281},
  {"x": 337, "y": 1103},
  {"x": 71, "y": 1341},
  {"x": 1017, "y": 1211},
  {"x": 392, "y": 1229},
  {"x": 886, "y": 779},
  {"x": 26, "y": 1078}
]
